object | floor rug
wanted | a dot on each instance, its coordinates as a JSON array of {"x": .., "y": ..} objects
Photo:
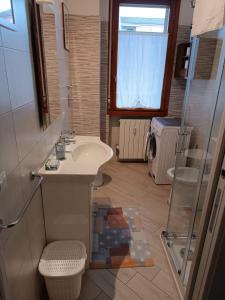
[{"x": 118, "y": 239}]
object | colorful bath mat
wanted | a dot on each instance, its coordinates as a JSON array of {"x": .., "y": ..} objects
[{"x": 118, "y": 239}]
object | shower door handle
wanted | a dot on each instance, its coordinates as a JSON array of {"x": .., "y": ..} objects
[
  {"x": 215, "y": 210},
  {"x": 216, "y": 204}
]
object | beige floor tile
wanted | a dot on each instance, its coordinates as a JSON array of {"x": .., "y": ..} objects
[
  {"x": 159, "y": 258},
  {"x": 145, "y": 289},
  {"x": 123, "y": 274},
  {"x": 164, "y": 281},
  {"x": 148, "y": 272},
  {"x": 102, "y": 296},
  {"x": 132, "y": 187},
  {"x": 89, "y": 289},
  {"x": 111, "y": 286}
]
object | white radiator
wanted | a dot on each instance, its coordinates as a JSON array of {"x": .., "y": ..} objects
[{"x": 132, "y": 142}]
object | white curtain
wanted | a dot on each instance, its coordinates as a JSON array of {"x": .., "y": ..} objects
[
  {"x": 140, "y": 70},
  {"x": 209, "y": 15}
]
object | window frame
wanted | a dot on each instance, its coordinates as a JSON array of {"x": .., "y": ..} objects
[{"x": 113, "y": 58}]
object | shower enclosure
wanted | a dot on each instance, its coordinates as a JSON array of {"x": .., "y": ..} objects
[{"x": 202, "y": 113}]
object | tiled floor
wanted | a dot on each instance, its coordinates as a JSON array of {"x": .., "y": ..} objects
[{"x": 131, "y": 187}]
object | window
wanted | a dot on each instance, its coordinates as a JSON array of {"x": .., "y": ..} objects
[{"x": 142, "y": 52}]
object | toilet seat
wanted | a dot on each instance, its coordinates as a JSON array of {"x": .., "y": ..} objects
[{"x": 185, "y": 175}]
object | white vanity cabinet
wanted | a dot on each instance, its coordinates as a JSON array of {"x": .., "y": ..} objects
[
  {"x": 67, "y": 191},
  {"x": 67, "y": 202}
]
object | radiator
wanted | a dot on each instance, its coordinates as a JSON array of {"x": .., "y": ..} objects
[{"x": 132, "y": 141}]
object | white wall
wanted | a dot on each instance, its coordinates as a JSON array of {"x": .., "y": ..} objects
[
  {"x": 186, "y": 13},
  {"x": 104, "y": 10},
  {"x": 84, "y": 7},
  {"x": 24, "y": 147}
]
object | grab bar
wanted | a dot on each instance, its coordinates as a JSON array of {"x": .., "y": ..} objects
[{"x": 22, "y": 212}]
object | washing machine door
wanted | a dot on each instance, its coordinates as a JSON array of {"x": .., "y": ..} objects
[{"x": 152, "y": 147}]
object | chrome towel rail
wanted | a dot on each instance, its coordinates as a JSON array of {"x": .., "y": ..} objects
[{"x": 22, "y": 212}]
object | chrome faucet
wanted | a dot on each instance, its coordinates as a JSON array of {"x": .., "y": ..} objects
[{"x": 67, "y": 137}]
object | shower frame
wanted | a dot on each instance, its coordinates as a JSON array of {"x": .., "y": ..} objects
[{"x": 179, "y": 273}]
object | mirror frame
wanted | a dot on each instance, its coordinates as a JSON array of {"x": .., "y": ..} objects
[{"x": 39, "y": 65}]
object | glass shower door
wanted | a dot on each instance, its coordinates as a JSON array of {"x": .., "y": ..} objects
[{"x": 195, "y": 148}]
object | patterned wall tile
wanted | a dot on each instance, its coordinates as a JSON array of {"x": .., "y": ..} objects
[
  {"x": 178, "y": 85},
  {"x": 104, "y": 120},
  {"x": 85, "y": 72}
]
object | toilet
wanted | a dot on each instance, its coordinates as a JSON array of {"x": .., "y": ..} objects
[{"x": 185, "y": 185}]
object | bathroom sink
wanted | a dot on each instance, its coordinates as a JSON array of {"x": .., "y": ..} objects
[
  {"x": 84, "y": 157},
  {"x": 90, "y": 153}
]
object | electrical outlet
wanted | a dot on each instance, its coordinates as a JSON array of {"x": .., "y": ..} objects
[{"x": 3, "y": 181}]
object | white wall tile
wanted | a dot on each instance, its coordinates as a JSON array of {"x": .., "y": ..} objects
[
  {"x": 53, "y": 132},
  {"x": 36, "y": 234},
  {"x": 67, "y": 119},
  {"x": 0, "y": 37},
  {"x": 24, "y": 147},
  {"x": 16, "y": 252},
  {"x": 5, "y": 104},
  {"x": 23, "y": 285},
  {"x": 64, "y": 74},
  {"x": 35, "y": 228},
  {"x": 20, "y": 77},
  {"x": 33, "y": 161},
  {"x": 8, "y": 153},
  {"x": 61, "y": 52},
  {"x": 29, "y": 164},
  {"x": 40, "y": 151},
  {"x": 18, "y": 39},
  {"x": 27, "y": 128},
  {"x": 11, "y": 200}
]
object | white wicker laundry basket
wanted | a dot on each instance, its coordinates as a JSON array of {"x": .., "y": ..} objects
[{"x": 62, "y": 265}]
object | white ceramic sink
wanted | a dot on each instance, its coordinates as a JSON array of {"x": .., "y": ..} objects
[
  {"x": 91, "y": 153},
  {"x": 84, "y": 157}
]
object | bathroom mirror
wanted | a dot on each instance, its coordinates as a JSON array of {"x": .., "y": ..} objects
[
  {"x": 46, "y": 62},
  {"x": 7, "y": 14}
]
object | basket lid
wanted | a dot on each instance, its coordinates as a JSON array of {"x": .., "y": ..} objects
[{"x": 63, "y": 258}]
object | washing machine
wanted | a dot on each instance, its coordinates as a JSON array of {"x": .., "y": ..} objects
[{"x": 162, "y": 142}]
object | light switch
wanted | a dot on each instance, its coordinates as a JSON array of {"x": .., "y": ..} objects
[{"x": 3, "y": 181}]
